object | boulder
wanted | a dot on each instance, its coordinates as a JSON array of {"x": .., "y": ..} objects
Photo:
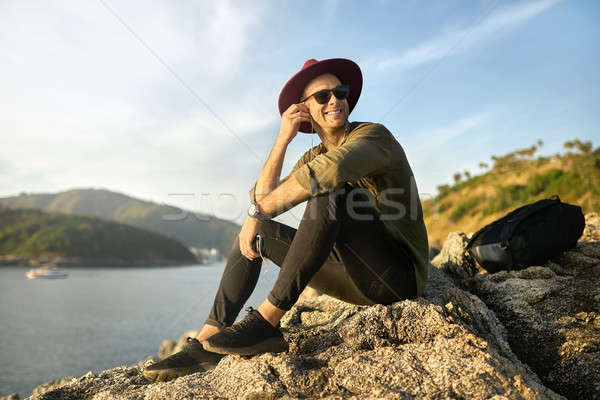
[
  {"x": 51, "y": 385},
  {"x": 453, "y": 258},
  {"x": 551, "y": 312}
]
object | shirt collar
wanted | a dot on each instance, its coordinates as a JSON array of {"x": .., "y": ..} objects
[{"x": 321, "y": 147}]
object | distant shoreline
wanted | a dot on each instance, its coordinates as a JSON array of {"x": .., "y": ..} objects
[{"x": 113, "y": 262}]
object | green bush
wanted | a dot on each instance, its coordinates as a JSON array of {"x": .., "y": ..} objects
[
  {"x": 463, "y": 207},
  {"x": 579, "y": 183},
  {"x": 444, "y": 206},
  {"x": 511, "y": 196},
  {"x": 443, "y": 190}
]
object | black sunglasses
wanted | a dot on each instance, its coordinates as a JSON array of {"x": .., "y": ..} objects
[{"x": 323, "y": 96}]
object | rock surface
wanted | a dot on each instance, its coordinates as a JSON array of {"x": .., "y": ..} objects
[
  {"x": 49, "y": 386},
  {"x": 551, "y": 312},
  {"x": 447, "y": 344}
]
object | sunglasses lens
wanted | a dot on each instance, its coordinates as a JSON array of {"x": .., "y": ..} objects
[
  {"x": 341, "y": 92},
  {"x": 322, "y": 96}
]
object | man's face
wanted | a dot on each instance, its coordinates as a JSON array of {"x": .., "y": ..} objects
[{"x": 333, "y": 114}]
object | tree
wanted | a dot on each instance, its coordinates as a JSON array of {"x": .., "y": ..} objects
[
  {"x": 496, "y": 160},
  {"x": 526, "y": 152},
  {"x": 443, "y": 190},
  {"x": 584, "y": 147},
  {"x": 457, "y": 178},
  {"x": 568, "y": 145},
  {"x": 507, "y": 160},
  {"x": 467, "y": 175},
  {"x": 483, "y": 165},
  {"x": 540, "y": 143}
]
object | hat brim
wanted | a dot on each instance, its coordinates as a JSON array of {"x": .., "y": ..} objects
[{"x": 346, "y": 70}]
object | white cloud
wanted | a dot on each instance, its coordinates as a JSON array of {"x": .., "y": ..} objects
[
  {"x": 459, "y": 39},
  {"x": 85, "y": 104},
  {"x": 440, "y": 136}
]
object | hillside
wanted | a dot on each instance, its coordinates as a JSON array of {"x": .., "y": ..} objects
[
  {"x": 513, "y": 180},
  {"x": 33, "y": 233},
  {"x": 195, "y": 230}
]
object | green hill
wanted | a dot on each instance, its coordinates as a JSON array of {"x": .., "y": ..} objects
[
  {"x": 513, "y": 180},
  {"x": 33, "y": 233},
  {"x": 195, "y": 230}
]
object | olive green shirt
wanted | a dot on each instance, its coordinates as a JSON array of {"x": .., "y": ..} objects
[{"x": 370, "y": 158}]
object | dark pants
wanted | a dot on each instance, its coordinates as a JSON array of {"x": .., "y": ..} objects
[{"x": 345, "y": 254}]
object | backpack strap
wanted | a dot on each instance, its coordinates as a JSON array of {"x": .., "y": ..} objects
[{"x": 512, "y": 219}]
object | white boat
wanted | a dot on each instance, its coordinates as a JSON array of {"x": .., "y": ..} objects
[{"x": 46, "y": 273}]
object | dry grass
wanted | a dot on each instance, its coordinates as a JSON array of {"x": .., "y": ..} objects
[{"x": 439, "y": 224}]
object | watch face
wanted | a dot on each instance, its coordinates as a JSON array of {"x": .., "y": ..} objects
[{"x": 252, "y": 210}]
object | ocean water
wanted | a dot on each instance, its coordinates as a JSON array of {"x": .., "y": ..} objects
[{"x": 100, "y": 318}]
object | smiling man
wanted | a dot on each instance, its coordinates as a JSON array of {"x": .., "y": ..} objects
[{"x": 361, "y": 239}]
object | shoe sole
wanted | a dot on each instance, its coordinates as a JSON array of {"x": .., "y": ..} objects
[
  {"x": 164, "y": 375},
  {"x": 271, "y": 345}
]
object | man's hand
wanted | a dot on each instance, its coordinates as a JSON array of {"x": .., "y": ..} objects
[
  {"x": 247, "y": 234},
  {"x": 291, "y": 120}
]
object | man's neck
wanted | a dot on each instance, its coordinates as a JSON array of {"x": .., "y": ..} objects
[{"x": 333, "y": 139}]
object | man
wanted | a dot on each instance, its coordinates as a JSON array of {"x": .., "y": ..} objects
[{"x": 361, "y": 239}]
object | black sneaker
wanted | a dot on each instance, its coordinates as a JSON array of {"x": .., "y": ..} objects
[
  {"x": 192, "y": 358},
  {"x": 250, "y": 336}
]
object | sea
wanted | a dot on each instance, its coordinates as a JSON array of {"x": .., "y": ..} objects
[{"x": 100, "y": 318}]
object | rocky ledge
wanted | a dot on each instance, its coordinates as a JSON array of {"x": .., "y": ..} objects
[
  {"x": 530, "y": 334},
  {"x": 551, "y": 312}
]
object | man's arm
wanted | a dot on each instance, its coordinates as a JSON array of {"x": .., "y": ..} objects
[
  {"x": 368, "y": 151},
  {"x": 269, "y": 176},
  {"x": 283, "y": 197}
]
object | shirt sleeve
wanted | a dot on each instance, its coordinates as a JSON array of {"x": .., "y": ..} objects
[{"x": 367, "y": 152}]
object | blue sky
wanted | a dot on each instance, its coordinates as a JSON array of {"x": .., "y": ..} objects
[{"x": 175, "y": 102}]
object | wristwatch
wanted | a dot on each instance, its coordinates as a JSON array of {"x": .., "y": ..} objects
[{"x": 254, "y": 212}]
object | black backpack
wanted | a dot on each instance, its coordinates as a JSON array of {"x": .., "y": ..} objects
[{"x": 529, "y": 235}]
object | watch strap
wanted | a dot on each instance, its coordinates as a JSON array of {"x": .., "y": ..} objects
[{"x": 255, "y": 213}]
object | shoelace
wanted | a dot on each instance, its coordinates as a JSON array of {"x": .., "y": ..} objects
[
  {"x": 183, "y": 355},
  {"x": 248, "y": 320}
]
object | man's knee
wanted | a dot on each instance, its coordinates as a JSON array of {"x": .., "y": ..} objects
[
  {"x": 360, "y": 205},
  {"x": 343, "y": 203},
  {"x": 326, "y": 205}
]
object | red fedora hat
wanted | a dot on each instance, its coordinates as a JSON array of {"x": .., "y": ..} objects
[{"x": 346, "y": 70}]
